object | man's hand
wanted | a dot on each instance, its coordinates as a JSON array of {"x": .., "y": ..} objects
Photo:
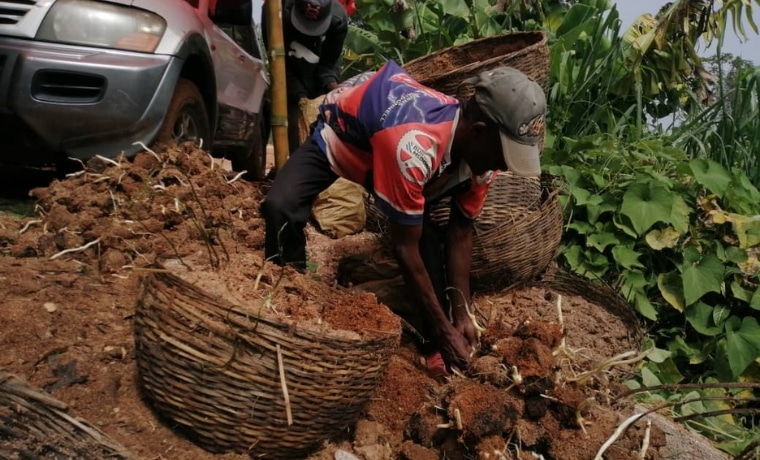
[
  {"x": 466, "y": 327},
  {"x": 453, "y": 346},
  {"x": 331, "y": 86}
]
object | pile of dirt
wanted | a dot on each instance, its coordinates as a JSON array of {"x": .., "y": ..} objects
[{"x": 70, "y": 279}]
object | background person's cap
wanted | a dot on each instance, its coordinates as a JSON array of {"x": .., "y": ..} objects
[
  {"x": 311, "y": 17},
  {"x": 518, "y": 105}
]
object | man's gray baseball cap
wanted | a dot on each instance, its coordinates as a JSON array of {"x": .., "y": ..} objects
[{"x": 517, "y": 104}]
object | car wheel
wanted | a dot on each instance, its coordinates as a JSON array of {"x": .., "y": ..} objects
[
  {"x": 254, "y": 158},
  {"x": 186, "y": 119}
]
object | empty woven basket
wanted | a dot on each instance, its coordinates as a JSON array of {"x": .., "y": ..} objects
[
  {"x": 34, "y": 425},
  {"x": 221, "y": 372}
]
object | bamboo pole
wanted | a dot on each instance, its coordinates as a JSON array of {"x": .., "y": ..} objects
[{"x": 279, "y": 87}]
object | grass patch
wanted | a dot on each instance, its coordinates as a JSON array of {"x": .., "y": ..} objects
[{"x": 19, "y": 208}]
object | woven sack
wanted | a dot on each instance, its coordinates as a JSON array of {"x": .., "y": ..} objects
[
  {"x": 34, "y": 425},
  {"x": 221, "y": 372},
  {"x": 446, "y": 69},
  {"x": 308, "y": 114}
]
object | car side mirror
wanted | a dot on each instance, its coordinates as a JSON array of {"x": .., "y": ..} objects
[{"x": 232, "y": 12}]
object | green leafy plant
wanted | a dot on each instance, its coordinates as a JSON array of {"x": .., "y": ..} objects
[{"x": 680, "y": 239}]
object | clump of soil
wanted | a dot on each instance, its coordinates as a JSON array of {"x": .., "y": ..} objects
[
  {"x": 70, "y": 278},
  {"x": 515, "y": 399}
]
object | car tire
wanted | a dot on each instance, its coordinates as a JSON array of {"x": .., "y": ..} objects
[
  {"x": 186, "y": 119},
  {"x": 254, "y": 157}
]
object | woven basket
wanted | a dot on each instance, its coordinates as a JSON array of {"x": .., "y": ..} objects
[
  {"x": 516, "y": 234},
  {"x": 598, "y": 293},
  {"x": 214, "y": 368},
  {"x": 445, "y": 69},
  {"x": 33, "y": 425}
]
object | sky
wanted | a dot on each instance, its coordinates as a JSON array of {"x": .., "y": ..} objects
[{"x": 631, "y": 9}]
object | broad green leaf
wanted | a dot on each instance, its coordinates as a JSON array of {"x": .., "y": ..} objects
[
  {"x": 701, "y": 277},
  {"x": 742, "y": 344},
  {"x": 575, "y": 17},
  {"x": 649, "y": 378},
  {"x": 626, "y": 257},
  {"x": 711, "y": 175},
  {"x": 721, "y": 314},
  {"x": 581, "y": 227},
  {"x": 700, "y": 316},
  {"x": 755, "y": 301},
  {"x": 584, "y": 197},
  {"x": 662, "y": 239},
  {"x": 632, "y": 288},
  {"x": 645, "y": 204},
  {"x": 600, "y": 241},
  {"x": 680, "y": 214},
  {"x": 694, "y": 354},
  {"x": 623, "y": 226},
  {"x": 671, "y": 288},
  {"x": 747, "y": 229},
  {"x": 735, "y": 255},
  {"x": 608, "y": 204},
  {"x": 658, "y": 355},
  {"x": 457, "y": 8},
  {"x": 644, "y": 306},
  {"x": 666, "y": 372},
  {"x": 737, "y": 291}
]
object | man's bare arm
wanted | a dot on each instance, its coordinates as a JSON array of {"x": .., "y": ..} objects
[
  {"x": 459, "y": 240},
  {"x": 451, "y": 343}
]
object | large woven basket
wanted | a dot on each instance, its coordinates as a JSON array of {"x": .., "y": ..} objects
[
  {"x": 598, "y": 293},
  {"x": 516, "y": 234},
  {"x": 445, "y": 69},
  {"x": 221, "y": 372},
  {"x": 34, "y": 425}
]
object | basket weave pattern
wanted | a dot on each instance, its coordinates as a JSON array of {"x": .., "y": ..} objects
[
  {"x": 33, "y": 425},
  {"x": 445, "y": 69},
  {"x": 213, "y": 368},
  {"x": 516, "y": 234}
]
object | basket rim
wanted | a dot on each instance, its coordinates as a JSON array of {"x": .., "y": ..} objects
[
  {"x": 544, "y": 39},
  {"x": 246, "y": 321},
  {"x": 474, "y": 65}
]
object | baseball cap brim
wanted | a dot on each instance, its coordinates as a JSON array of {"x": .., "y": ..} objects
[
  {"x": 522, "y": 159},
  {"x": 307, "y": 27}
]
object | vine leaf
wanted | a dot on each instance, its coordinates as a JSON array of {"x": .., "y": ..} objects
[
  {"x": 702, "y": 276},
  {"x": 742, "y": 343}
]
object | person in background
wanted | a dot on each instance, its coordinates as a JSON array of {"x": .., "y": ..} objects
[
  {"x": 410, "y": 146},
  {"x": 313, "y": 33}
]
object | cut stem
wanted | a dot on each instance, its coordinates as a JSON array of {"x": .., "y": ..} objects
[{"x": 288, "y": 410}]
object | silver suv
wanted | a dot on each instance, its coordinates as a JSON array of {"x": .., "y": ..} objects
[{"x": 80, "y": 78}]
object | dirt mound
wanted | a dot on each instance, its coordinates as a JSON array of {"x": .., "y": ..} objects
[{"x": 70, "y": 279}]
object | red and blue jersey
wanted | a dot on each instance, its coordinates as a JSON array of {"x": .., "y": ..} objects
[{"x": 393, "y": 135}]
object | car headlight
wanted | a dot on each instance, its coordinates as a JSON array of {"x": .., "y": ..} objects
[{"x": 92, "y": 23}]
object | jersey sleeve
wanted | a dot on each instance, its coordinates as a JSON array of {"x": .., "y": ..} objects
[{"x": 472, "y": 200}]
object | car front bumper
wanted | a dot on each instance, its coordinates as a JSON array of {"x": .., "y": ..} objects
[{"x": 81, "y": 101}]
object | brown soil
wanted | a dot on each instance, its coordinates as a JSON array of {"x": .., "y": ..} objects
[{"x": 70, "y": 280}]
